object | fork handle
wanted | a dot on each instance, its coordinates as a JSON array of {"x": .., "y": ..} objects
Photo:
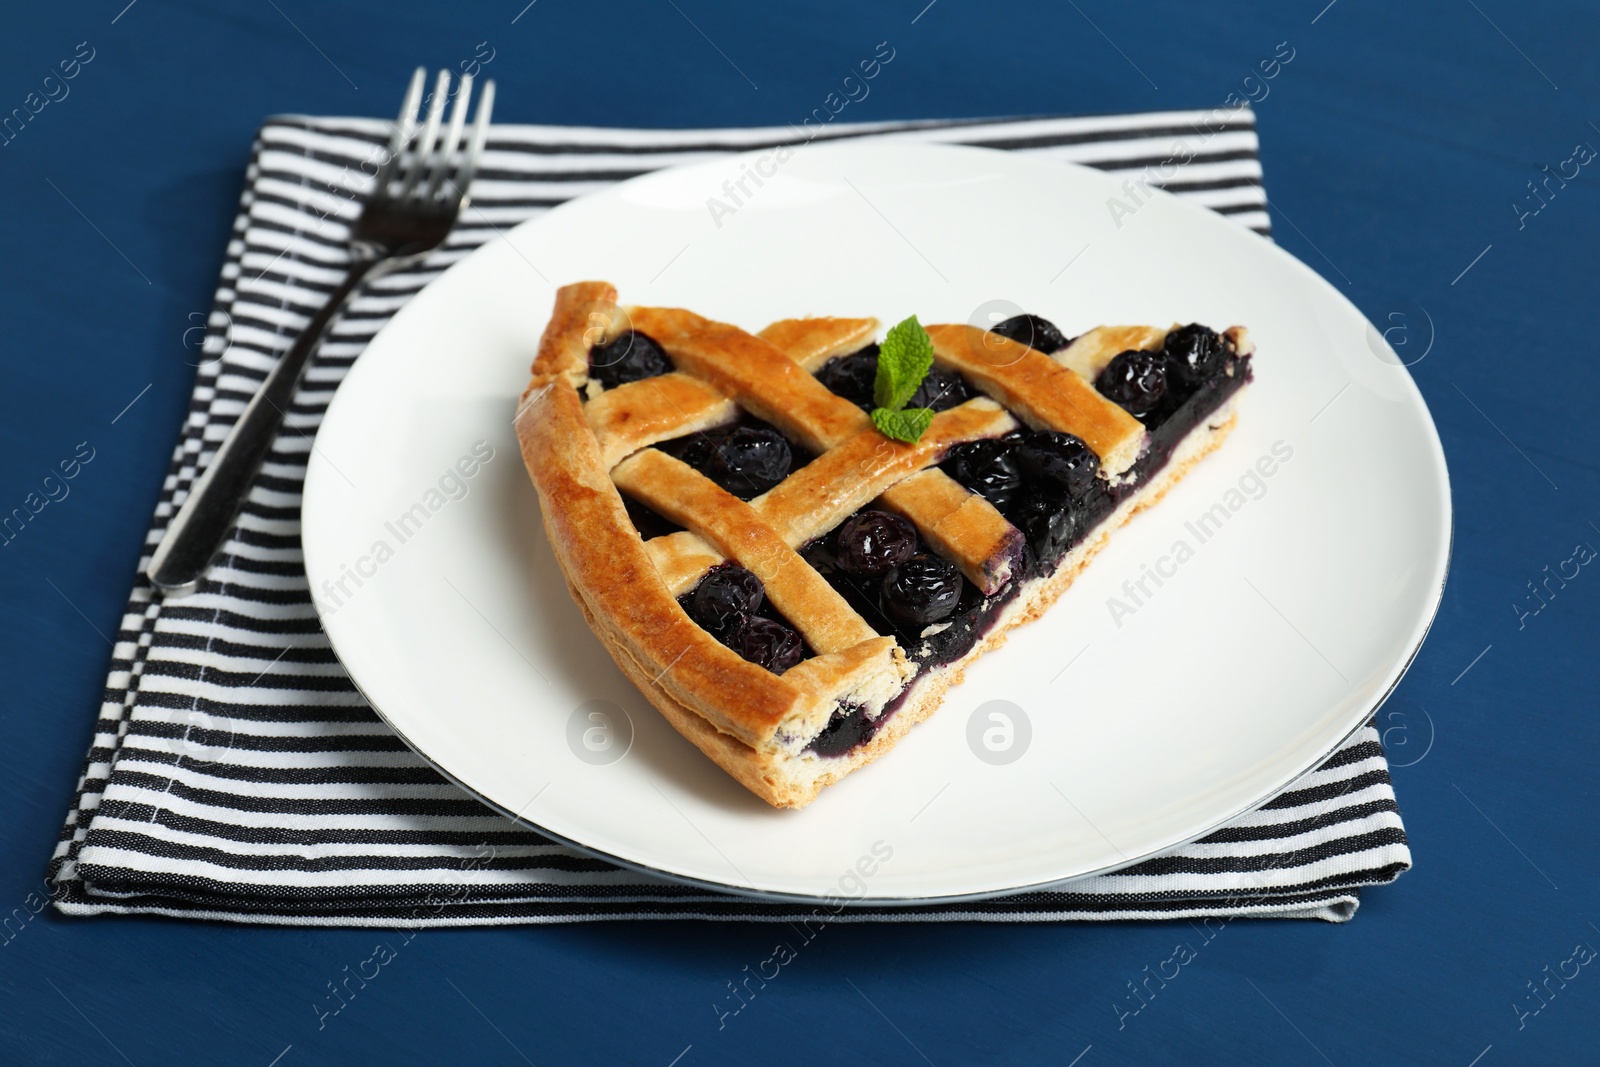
[{"x": 202, "y": 524}]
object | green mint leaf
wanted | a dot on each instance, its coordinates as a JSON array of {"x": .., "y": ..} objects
[
  {"x": 903, "y": 361},
  {"x": 907, "y": 424}
]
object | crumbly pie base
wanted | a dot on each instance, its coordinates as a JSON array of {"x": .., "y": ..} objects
[{"x": 580, "y": 444}]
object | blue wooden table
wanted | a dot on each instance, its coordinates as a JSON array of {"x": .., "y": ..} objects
[{"x": 1399, "y": 148}]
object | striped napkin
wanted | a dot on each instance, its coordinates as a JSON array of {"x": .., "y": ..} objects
[{"x": 237, "y": 774}]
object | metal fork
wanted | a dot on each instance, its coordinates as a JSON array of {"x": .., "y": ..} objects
[{"x": 415, "y": 200}]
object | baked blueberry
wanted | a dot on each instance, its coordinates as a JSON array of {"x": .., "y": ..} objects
[
  {"x": 852, "y": 376},
  {"x": 1049, "y": 525},
  {"x": 695, "y": 449},
  {"x": 1032, "y": 331},
  {"x": 747, "y": 461},
  {"x": 987, "y": 467},
  {"x": 726, "y": 593},
  {"x": 922, "y": 590},
  {"x": 765, "y": 642},
  {"x": 1058, "y": 461},
  {"x": 940, "y": 390},
  {"x": 870, "y": 542},
  {"x": 1193, "y": 354},
  {"x": 628, "y": 357},
  {"x": 1136, "y": 380}
]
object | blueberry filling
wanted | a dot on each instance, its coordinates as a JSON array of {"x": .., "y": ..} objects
[
  {"x": 848, "y": 728},
  {"x": 871, "y": 542},
  {"x": 940, "y": 390},
  {"x": 921, "y": 591},
  {"x": 747, "y": 458},
  {"x": 1046, "y": 484},
  {"x": 765, "y": 642},
  {"x": 1192, "y": 353},
  {"x": 628, "y": 357},
  {"x": 747, "y": 461},
  {"x": 649, "y": 523},
  {"x": 723, "y": 596},
  {"x": 1049, "y": 524},
  {"x": 1033, "y": 331},
  {"x": 1136, "y": 380},
  {"x": 903, "y": 601},
  {"x": 694, "y": 449},
  {"x": 1059, "y": 462},
  {"x": 1154, "y": 386},
  {"x": 853, "y": 376},
  {"x": 730, "y": 604},
  {"x": 988, "y": 467}
]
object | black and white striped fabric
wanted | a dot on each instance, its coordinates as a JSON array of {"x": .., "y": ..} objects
[{"x": 237, "y": 774}]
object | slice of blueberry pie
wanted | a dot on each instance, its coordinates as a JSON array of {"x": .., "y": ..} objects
[{"x": 794, "y": 541}]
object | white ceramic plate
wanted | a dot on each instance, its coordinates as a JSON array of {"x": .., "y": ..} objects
[{"x": 1278, "y": 633}]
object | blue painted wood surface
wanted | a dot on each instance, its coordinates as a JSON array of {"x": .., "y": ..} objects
[{"x": 1398, "y": 148}]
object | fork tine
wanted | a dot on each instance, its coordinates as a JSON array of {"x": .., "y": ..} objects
[
  {"x": 404, "y": 127},
  {"x": 430, "y": 133},
  {"x": 480, "y": 134},
  {"x": 408, "y": 112},
  {"x": 447, "y": 150}
]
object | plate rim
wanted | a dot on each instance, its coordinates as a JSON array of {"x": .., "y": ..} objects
[{"x": 783, "y": 896}]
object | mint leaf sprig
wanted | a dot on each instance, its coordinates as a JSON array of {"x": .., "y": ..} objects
[
  {"x": 907, "y": 425},
  {"x": 904, "y": 359}
]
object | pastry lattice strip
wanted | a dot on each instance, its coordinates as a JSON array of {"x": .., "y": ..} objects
[
  {"x": 811, "y": 501},
  {"x": 738, "y": 532},
  {"x": 1042, "y": 391},
  {"x": 725, "y": 369}
]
